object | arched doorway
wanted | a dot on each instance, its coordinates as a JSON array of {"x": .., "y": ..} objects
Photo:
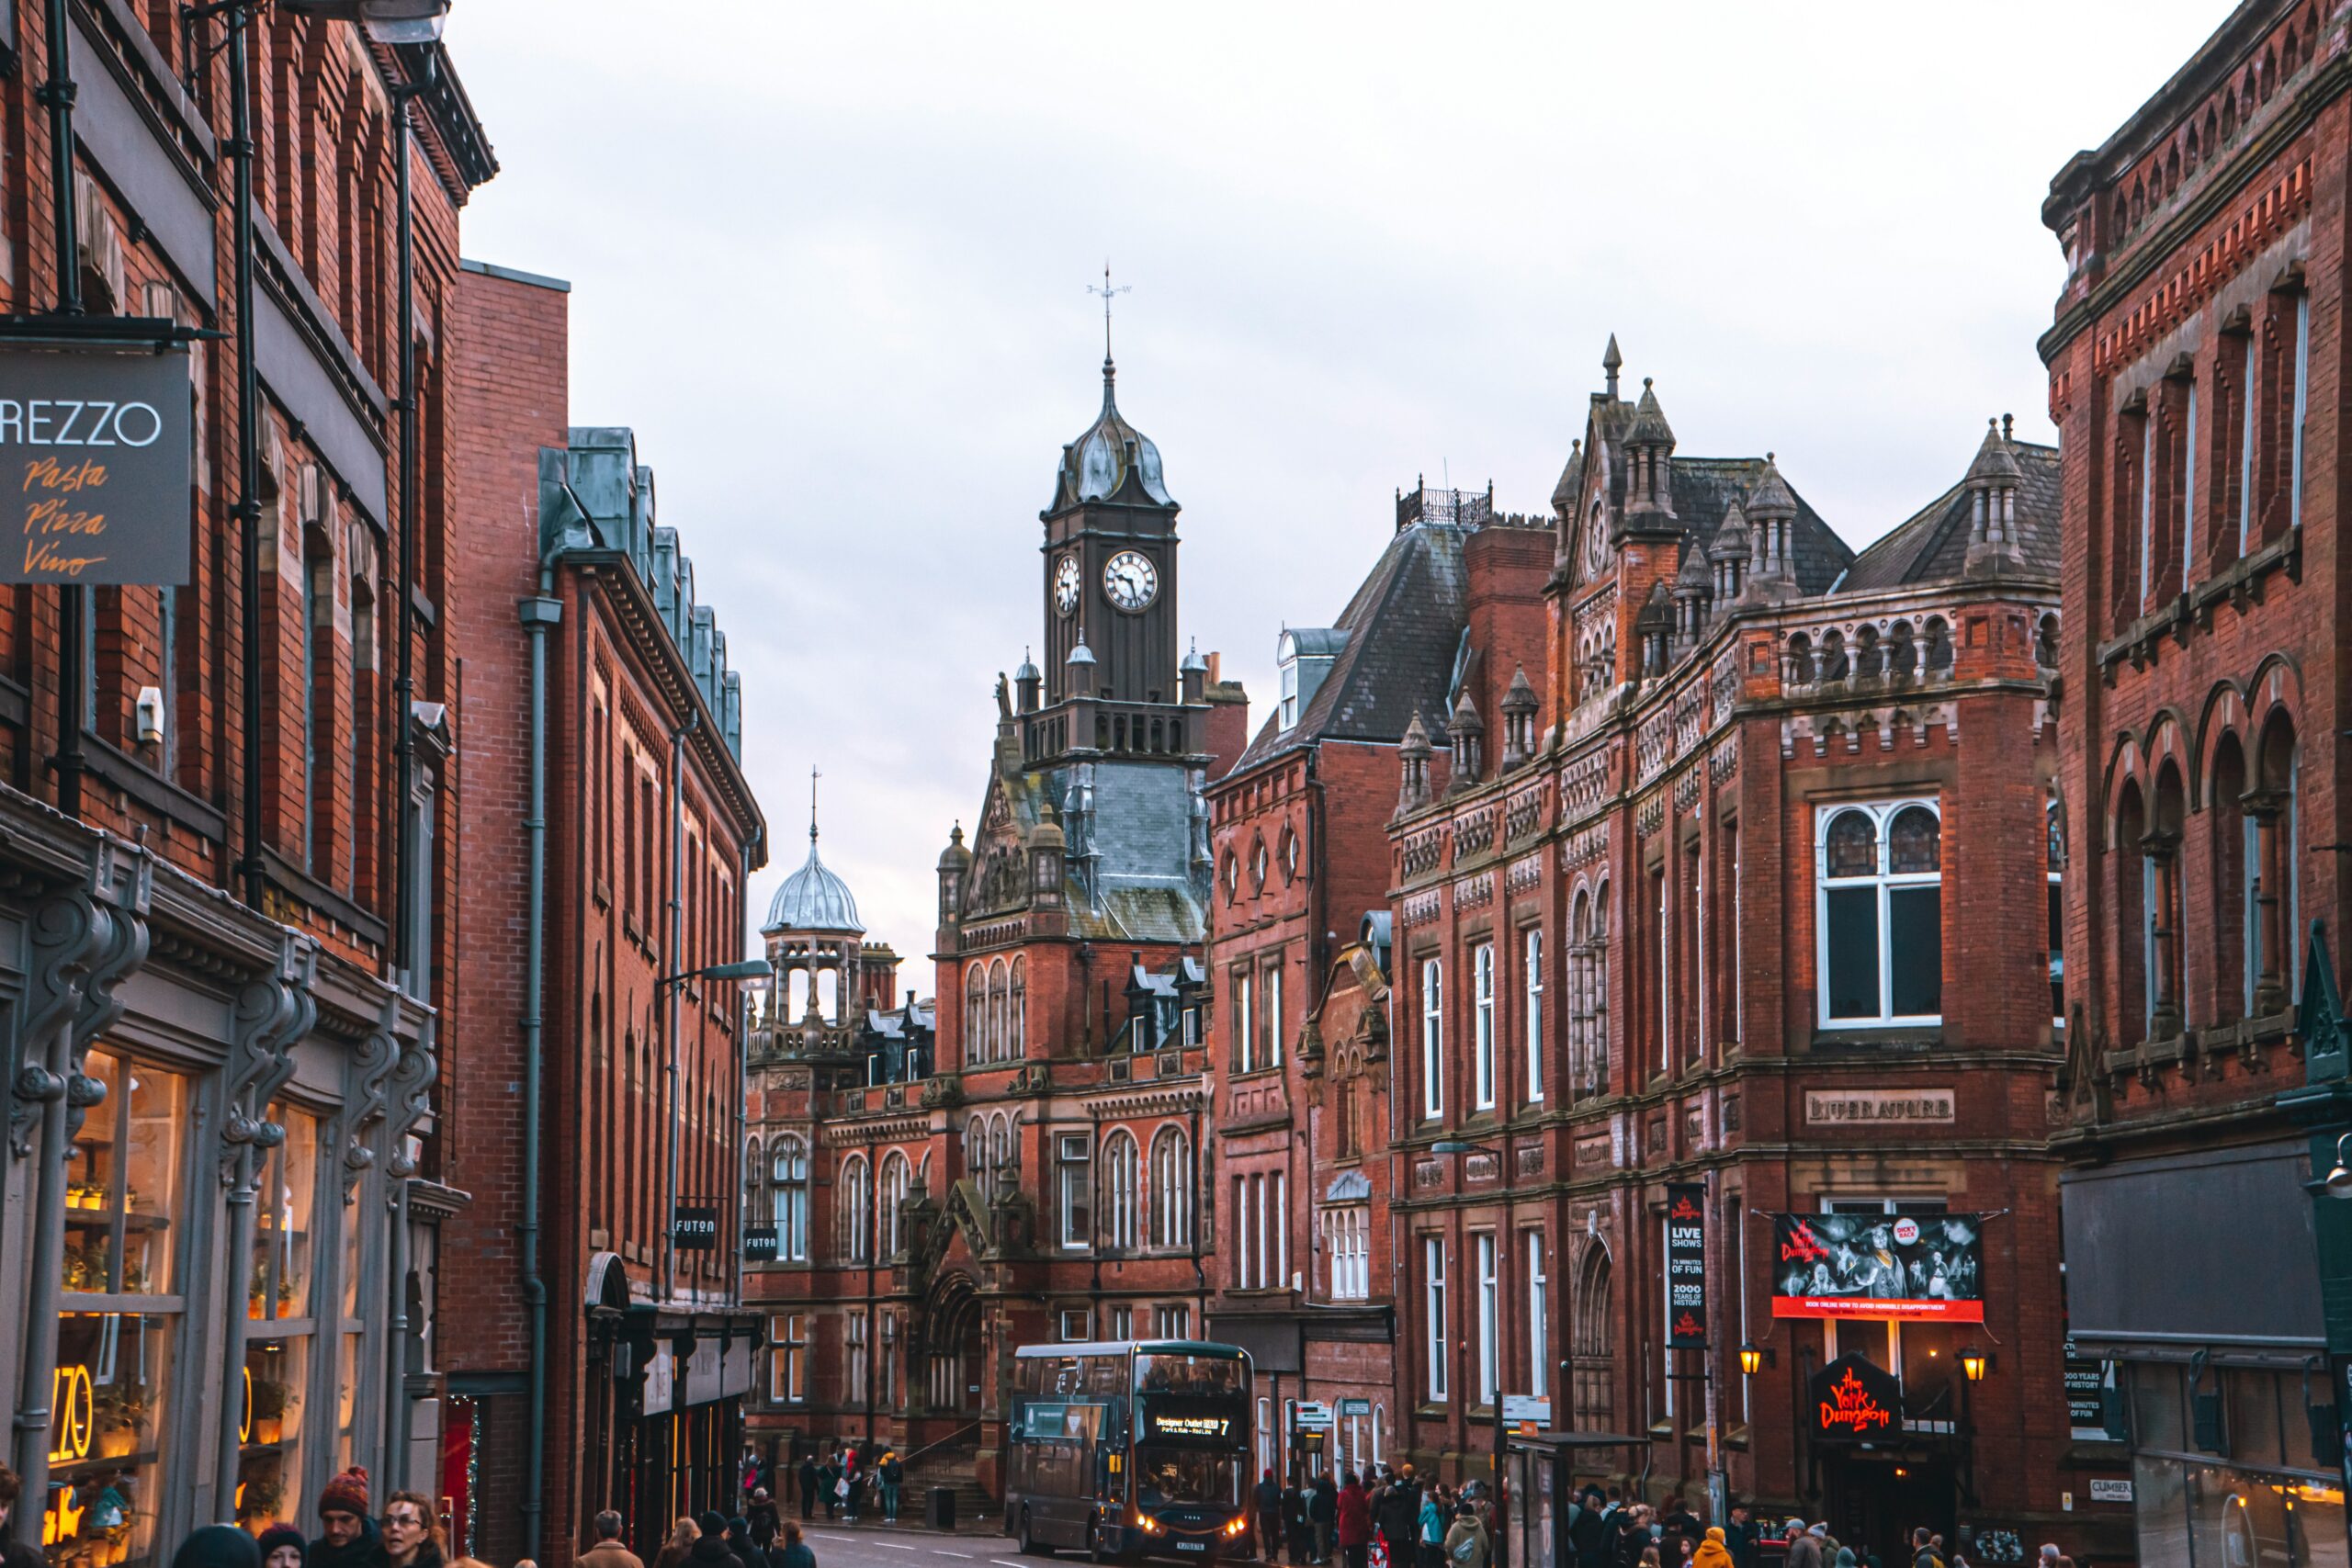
[{"x": 953, "y": 1361}]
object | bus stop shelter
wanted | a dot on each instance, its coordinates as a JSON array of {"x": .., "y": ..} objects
[{"x": 1541, "y": 1472}]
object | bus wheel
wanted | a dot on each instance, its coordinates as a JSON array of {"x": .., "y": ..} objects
[
  {"x": 1097, "y": 1547},
  {"x": 1028, "y": 1543}
]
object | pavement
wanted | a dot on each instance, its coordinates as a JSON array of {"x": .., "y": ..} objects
[{"x": 882, "y": 1546}]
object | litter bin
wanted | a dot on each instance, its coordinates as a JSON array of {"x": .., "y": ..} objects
[{"x": 942, "y": 1509}]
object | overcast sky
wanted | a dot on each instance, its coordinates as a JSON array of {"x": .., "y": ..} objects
[{"x": 830, "y": 261}]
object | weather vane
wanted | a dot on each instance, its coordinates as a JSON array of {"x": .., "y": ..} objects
[
  {"x": 1106, "y": 291},
  {"x": 813, "y": 776}
]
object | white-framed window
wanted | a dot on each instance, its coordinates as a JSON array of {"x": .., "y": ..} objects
[
  {"x": 2147, "y": 500},
  {"x": 1245, "y": 1026},
  {"x": 1290, "y": 694},
  {"x": 1734, "y": 1215},
  {"x": 1265, "y": 1434},
  {"x": 857, "y": 1210},
  {"x": 1278, "y": 1227},
  {"x": 1379, "y": 1420},
  {"x": 897, "y": 1172},
  {"x": 1489, "y": 1318},
  {"x": 1433, "y": 1314},
  {"x": 1074, "y": 1158},
  {"x": 788, "y": 1361},
  {"x": 1271, "y": 1012},
  {"x": 1123, "y": 1190},
  {"x": 2245, "y": 448},
  {"x": 1481, "y": 1054},
  {"x": 1879, "y": 880},
  {"x": 1077, "y": 1325},
  {"x": 854, "y": 1344},
  {"x": 2189, "y": 489},
  {"x": 1240, "y": 1230},
  {"x": 1171, "y": 1189},
  {"x": 790, "y": 1167},
  {"x": 2054, "y": 880},
  {"x": 1531, "y": 957},
  {"x": 1432, "y": 1037},
  {"x": 1123, "y": 1322},
  {"x": 1739, "y": 980},
  {"x": 1662, "y": 953},
  {"x": 1172, "y": 1320},
  {"x": 2302, "y": 407},
  {"x": 1539, "y": 1306},
  {"x": 1347, "y": 1236}
]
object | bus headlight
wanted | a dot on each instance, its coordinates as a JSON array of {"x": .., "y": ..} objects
[
  {"x": 1147, "y": 1524},
  {"x": 1240, "y": 1522}
]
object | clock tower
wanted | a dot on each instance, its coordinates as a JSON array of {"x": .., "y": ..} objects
[{"x": 1109, "y": 566}]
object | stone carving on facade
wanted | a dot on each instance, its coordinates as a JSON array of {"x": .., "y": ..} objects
[
  {"x": 371, "y": 1069},
  {"x": 273, "y": 1011}
]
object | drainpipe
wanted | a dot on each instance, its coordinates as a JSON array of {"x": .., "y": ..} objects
[
  {"x": 72, "y": 601},
  {"x": 669, "y": 967},
  {"x": 539, "y": 616},
  {"x": 251, "y": 869},
  {"x": 404, "y": 680}
]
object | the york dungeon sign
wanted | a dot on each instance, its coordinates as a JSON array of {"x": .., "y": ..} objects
[
  {"x": 95, "y": 463},
  {"x": 1853, "y": 1400},
  {"x": 1685, "y": 1267},
  {"x": 1904, "y": 1265}
]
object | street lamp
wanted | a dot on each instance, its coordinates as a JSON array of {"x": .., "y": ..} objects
[
  {"x": 386, "y": 21},
  {"x": 750, "y": 969},
  {"x": 1974, "y": 1364},
  {"x": 1754, "y": 1359},
  {"x": 2339, "y": 1180}
]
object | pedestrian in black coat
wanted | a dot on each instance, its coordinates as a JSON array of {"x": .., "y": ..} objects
[{"x": 810, "y": 1481}]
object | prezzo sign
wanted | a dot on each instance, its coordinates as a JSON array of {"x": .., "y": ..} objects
[
  {"x": 95, "y": 464},
  {"x": 1685, "y": 1267},
  {"x": 1853, "y": 1399}
]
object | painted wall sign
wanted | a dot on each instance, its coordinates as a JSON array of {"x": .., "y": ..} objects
[
  {"x": 1686, "y": 1265},
  {"x": 96, "y": 464},
  {"x": 1879, "y": 1266},
  {"x": 1880, "y": 1107},
  {"x": 1853, "y": 1400}
]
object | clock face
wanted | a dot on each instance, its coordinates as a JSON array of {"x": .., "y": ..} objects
[
  {"x": 1131, "y": 581},
  {"x": 1066, "y": 584}
]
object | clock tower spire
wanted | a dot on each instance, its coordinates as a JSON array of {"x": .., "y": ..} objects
[{"x": 1110, "y": 557}]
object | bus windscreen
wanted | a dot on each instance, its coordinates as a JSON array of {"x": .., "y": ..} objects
[
  {"x": 1192, "y": 1374},
  {"x": 1165, "y": 1476}
]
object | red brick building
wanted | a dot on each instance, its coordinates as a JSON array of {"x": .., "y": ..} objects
[
  {"x": 574, "y": 609},
  {"x": 1047, "y": 1179},
  {"x": 1299, "y": 829},
  {"x": 218, "y": 1205},
  {"x": 2197, "y": 370},
  {"x": 1726, "y": 894}
]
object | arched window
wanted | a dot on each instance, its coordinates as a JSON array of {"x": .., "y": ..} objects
[
  {"x": 975, "y": 1014},
  {"x": 1122, "y": 1189},
  {"x": 789, "y": 1167},
  {"x": 1171, "y": 1189},
  {"x": 756, "y": 1195},
  {"x": 976, "y": 1152},
  {"x": 2278, "y": 892},
  {"x": 896, "y": 1175},
  {"x": 1017, "y": 1027},
  {"x": 1595, "y": 1311},
  {"x": 1002, "y": 1155},
  {"x": 856, "y": 1240},
  {"x": 1879, "y": 915},
  {"x": 998, "y": 1050}
]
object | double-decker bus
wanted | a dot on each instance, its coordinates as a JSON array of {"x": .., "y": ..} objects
[{"x": 1136, "y": 1448}]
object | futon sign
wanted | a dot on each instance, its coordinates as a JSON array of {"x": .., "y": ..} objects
[
  {"x": 95, "y": 464},
  {"x": 1853, "y": 1400},
  {"x": 1922, "y": 1267},
  {"x": 1685, "y": 1267},
  {"x": 758, "y": 1243},
  {"x": 694, "y": 1227}
]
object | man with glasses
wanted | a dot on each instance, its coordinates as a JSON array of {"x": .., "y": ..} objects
[{"x": 408, "y": 1532}]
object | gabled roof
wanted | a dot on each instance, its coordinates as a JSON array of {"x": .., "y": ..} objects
[
  {"x": 1400, "y": 629},
  {"x": 1931, "y": 545}
]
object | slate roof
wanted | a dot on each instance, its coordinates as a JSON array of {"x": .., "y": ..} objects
[
  {"x": 1931, "y": 545},
  {"x": 1400, "y": 629},
  {"x": 1704, "y": 488},
  {"x": 1142, "y": 829}
]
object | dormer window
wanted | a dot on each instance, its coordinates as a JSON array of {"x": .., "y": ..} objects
[
  {"x": 1290, "y": 694},
  {"x": 1303, "y": 658}
]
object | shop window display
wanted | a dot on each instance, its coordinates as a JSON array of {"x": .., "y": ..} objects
[
  {"x": 277, "y": 1301},
  {"x": 125, "y": 1208}
]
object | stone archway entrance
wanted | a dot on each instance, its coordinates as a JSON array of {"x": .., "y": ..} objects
[{"x": 954, "y": 1361}]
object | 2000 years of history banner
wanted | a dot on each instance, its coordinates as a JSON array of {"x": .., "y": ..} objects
[
  {"x": 95, "y": 464},
  {"x": 1927, "y": 1266}
]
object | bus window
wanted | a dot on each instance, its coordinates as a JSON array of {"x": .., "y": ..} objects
[
  {"x": 1190, "y": 1375},
  {"x": 1106, "y": 1374},
  {"x": 1165, "y": 1476}
]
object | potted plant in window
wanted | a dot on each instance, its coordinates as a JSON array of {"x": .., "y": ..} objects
[
  {"x": 120, "y": 1409},
  {"x": 257, "y": 1499},
  {"x": 269, "y": 1410}
]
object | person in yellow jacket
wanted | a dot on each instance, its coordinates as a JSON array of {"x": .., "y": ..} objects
[{"x": 1711, "y": 1551}]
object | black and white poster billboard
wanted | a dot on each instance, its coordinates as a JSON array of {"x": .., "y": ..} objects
[{"x": 1686, "y": 1265}]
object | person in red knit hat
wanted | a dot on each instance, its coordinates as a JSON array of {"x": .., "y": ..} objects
[{"x": 350, "y": 1540}]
